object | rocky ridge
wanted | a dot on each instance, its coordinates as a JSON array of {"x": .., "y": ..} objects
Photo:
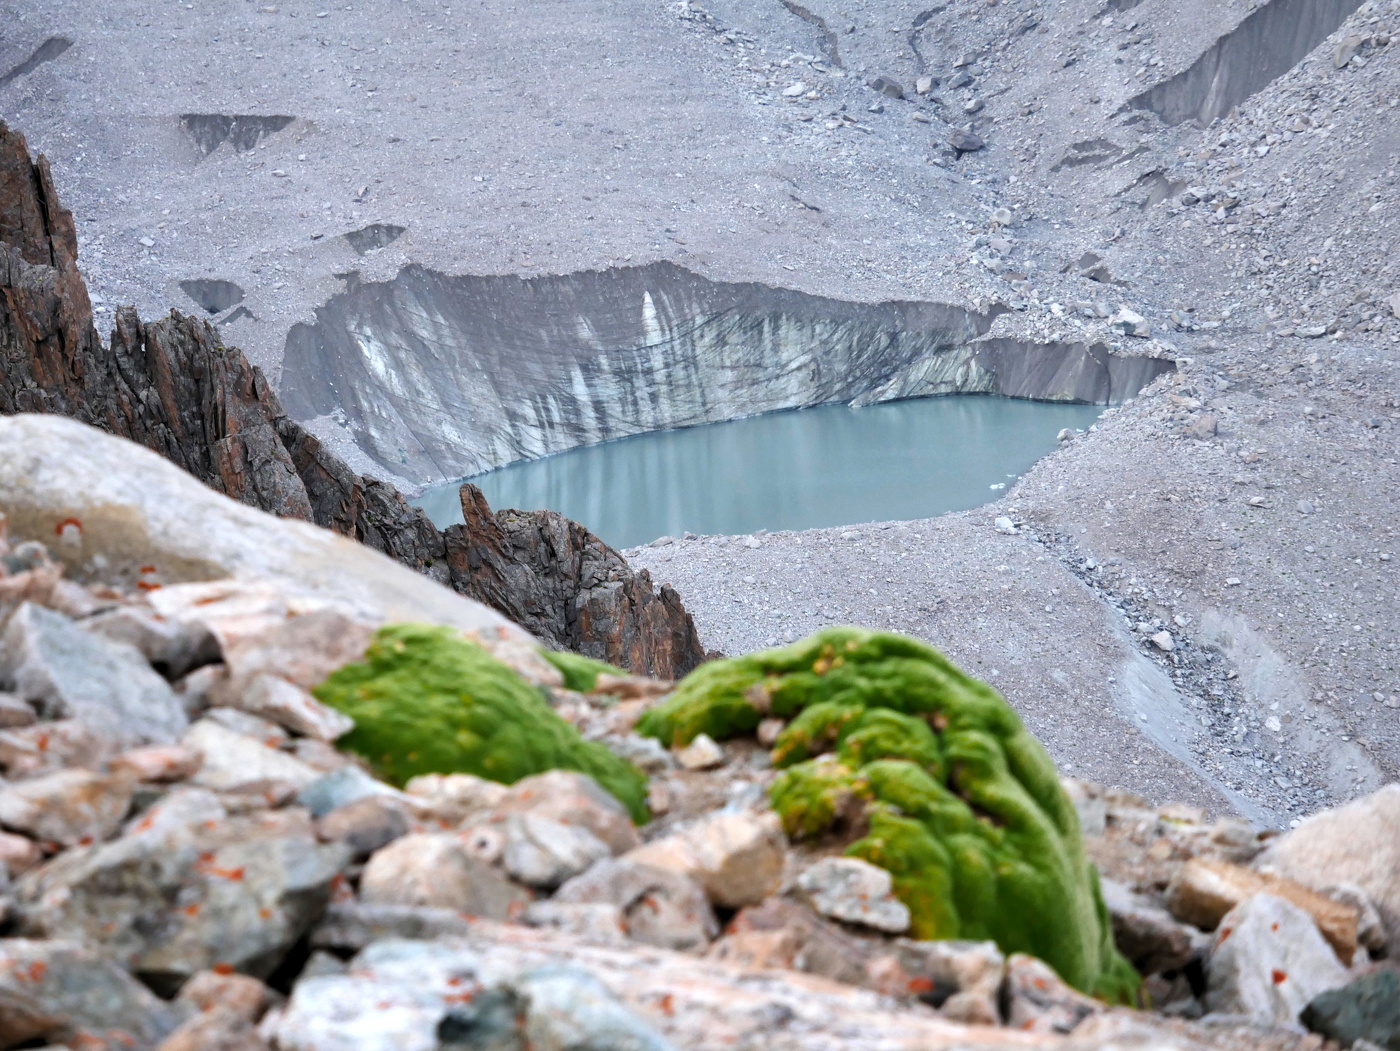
[
  {"x": 224, "y": 876},
  {"x": 173, "y": 386}
]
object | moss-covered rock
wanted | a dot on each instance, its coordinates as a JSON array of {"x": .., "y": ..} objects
[
  {"x": 580, "y": 672},
  {"x": 956, "y": 799},
  {"x": 427, "y": 701}
]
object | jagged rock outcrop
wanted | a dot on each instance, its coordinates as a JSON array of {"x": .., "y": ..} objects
[{"x": 174, "y": 387}]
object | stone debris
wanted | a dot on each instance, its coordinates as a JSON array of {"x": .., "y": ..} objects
[
  {"x": 437, "y": 870},
  {"x": 1268, "y": 961},
  {"x": 68, "y": 807},
  {"x": 659, "y": 907},
  {"x": 854, "y": 891},
  {"x": 737, "y": 858},
  {"x": 701, "y": 754},
  {"x": 543, "y": 853}
]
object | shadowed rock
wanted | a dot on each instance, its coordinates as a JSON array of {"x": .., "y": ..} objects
[
  {"x": 49, "y": 50},
  {"x": 242, "y": 131},
  {"x": 213, "y": 295}
]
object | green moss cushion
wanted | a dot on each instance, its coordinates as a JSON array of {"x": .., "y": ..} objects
[
  {"x": 954, "y": 796},
  {"x": 427, "y": 701},
  {"x": 580, "y": 672}
]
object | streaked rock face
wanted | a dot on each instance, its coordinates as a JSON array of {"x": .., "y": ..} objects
[{"x": 442, "y": 377}]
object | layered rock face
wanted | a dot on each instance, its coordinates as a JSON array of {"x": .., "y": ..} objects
[
  {"x": 442, "y": 377},
  {"x": 174, "y": 387}
]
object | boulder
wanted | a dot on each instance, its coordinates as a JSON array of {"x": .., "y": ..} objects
[
  {"x": 1365, "y": 1009},
  {"x": 660, "y": 907},
  {"x": 737, "y": 858},
  {"x": 543, "y": 853},
  {"x": 46, "y": 747},
  {"x": 1358, "y": 843},
  {"x": 454, "y": 797},
  {"x": 784, "y": 933},
  {"x": 365, "y": 825},
  {"x": 345, "y": 785},
  {"x": 435, "y": 869},
  {"x": 232, "y": 762},
  {"x": 598, "y": 924},
  {"x": 1038, "y": 1000},
  {"x": 172, "y": 646},
  {"x": 158, "y": 763},
  {"x": 67, "y": 806},
  {"x": 217, "y": 1029},
  {"x": 1268, "y": 960},
  {"x": 573, "y": 799},
  {"x": 566, "y": 1007},
  {"x": 65, "y": 992},
  {"x": 1145, "y": 933},
  {"x": 289, "y": 706},
  {"x": 187, "y": 892},
  {"x": 854, "y": 891},
  {"x": 71, "y": 673},
  {"x": 1203, "y": 890},
  {"x": 245, "y": 996}
]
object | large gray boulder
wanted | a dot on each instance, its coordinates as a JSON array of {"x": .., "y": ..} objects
[
  {"x": 185, "y": 891},
  {"x": 63, "y": 992},
  {"x": 71, "y": 673}
]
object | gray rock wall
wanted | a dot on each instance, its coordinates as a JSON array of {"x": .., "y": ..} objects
[{"x": 441, "y": 377}]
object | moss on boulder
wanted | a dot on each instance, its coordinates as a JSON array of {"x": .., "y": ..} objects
[
  {"x": 957, "y": 800},
  {"x": 427, "y": 701}
]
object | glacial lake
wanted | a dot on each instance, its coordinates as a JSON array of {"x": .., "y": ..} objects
[{"x": 808, "y": 468}]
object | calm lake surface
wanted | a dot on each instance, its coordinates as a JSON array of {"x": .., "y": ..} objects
[{"x": 809, "y": 468}]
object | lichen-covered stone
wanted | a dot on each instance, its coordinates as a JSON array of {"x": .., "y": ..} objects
[
  {"x": 956, "y": 799},
  {"x": 425, "y": 700}
]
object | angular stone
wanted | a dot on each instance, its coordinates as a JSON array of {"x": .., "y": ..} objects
[
  {"x": 1268, "y": 960},
  {"x": 343, "y": 786},
  {"x": 962, "y": 979},
  {"x": 1204, "y": 890},
  {"x": 854, "y": 891},
  {"x": 68, "y": 806},
  {"x": 435, "y": 869},
  {"x": 172, "y": 646},
  {"x": 566, "y": 1007},
  {"x": 573, "y": 799},
  {"x": 365, "y": 825},
  {"x": 256, "y": 727},
  {"x": 217, "y": 1029},
  {"x": 543, "y": 853},
  {"x": 701, "y": 754},
  {"x": 1038, "y": 1000},
  {"x": 245, "y": 996},
  {"x": 737, "y": 858},
  {"x": 1358, "y": 843},
  {"x": 454, "y": 797},
  {"x": 62, "y": 991},
  {"x": 18, "y": 854},
  {"x": 180, "y": 897},
  {"x": 281, "y": 702},
  {"x": 232, "y": 762},
  {"x": 171, "y": 762},
  {"x": 817, "y": 946},
  {"x": 1146, "y": 934},
  {"x": 352, "y": 925},
  {"x": 15, "y": 712},
  {"x": 46, "y": 747},
  {"x": 1367, "y": 1008},
  {"x": 660, "y": 908},
  {"x": 597, "y": 924},
  {"x": 68, "y": 672}
]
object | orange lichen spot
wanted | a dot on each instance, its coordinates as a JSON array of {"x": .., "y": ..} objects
[
  {"x": 668, "y": 1004},
  {"x": 514, "y": 909},
  {"x": 41, "y": 742},
  {"x": 67, "y": 523},
  {"x": 1273, "y": 927},
  {"x": 85, "y": 841},
  {"x": 191, "y": 910},
  {"x": 222, "y": 968},
  {"x": 36, "y": 971},
  {"x": 466, "y": 996},
  {"x": 920, "y": 985},
  {"x": 148, "y": 569},
  {"x": 147, "y": 585},
  {"x": 265, "y": 913},
  {"x": 1278, "y": 976}
]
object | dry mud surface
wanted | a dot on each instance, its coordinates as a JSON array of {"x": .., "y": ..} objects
[{"x": 1246, "y": 504}]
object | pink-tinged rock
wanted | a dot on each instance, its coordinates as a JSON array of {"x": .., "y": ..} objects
[
  {"x": 454, "y": 797},
  {"x": 737, "y": 858},
  {"x": 241, "y": 994},
  {"x": 659, "y": 907},
  {"x": 173, "y": 646},
  {"x": 573, "y": 799},
  {"x": 597, "y": 924},
  {"x": 217, "y": 1029},
  {"x": 67, "y": 807},
  {"x": 233, "y": 762},
  {"x": 46, "y": 747},
  {"x": 1039, "y": 1001},
  {"x": 366, "y": 824},
  {"x": 435, "y": 869},
  {"x": 15, "y": 712},
  {"x": 159, "y": 763},
  {"x": 288, "y": 705},
  {"x": 854, "y": 891},
  {"x": 18, "y": 854}
]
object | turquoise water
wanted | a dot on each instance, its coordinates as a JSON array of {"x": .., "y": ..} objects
[{"x": 804, "y": 469}]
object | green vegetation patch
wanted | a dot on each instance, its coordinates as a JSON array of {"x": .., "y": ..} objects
[
  {"x": 580, "y": 672},
  {"x": 427, "y": 701},
  {"x": 954, "y": 797}
]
